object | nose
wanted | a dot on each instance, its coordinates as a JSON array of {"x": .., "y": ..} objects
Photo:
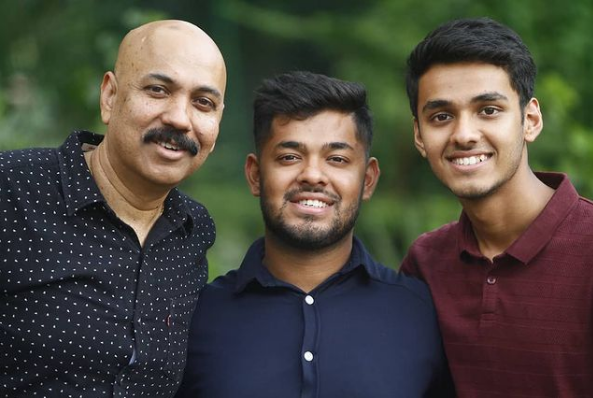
[
  {"x": 312, "y": 173},
  {"x": 465, "y": 132},
  {"x": 176, "y": 114}
]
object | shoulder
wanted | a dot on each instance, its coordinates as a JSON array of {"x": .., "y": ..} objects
[
  {"x": 28, "y": 171},
  {"x": 223, "y": 282},
  {"x": 198, "y": 212},
  {"x": 28, "y": 159},
  {"x": 194, "y": 207},
  {"x": 221, "y": 285},
  {"x": 411, "y": 287},
  {"x": 431, "y": 249},
  {"x": 217, "y": 297},
  {"x": 442, "y": 235}
]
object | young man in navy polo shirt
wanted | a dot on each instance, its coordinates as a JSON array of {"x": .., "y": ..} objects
[
  {"x": 309, "y": 313},
  {"x": 512, "y": 280}
]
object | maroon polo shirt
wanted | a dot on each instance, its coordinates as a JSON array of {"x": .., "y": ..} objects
[{"x": 522, "y": 325}]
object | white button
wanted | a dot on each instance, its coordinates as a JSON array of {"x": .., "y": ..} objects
[
  {"x": 308, "y": 356},
  {"x": 309, "y": 300},
  {"x": 491, "y": 280}
]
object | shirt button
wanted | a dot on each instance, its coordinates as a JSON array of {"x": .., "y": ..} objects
[
  {"x": 491, "y": 280},
  {"x": 308, "y": 356},
  {"x": 309, "y": 300}
]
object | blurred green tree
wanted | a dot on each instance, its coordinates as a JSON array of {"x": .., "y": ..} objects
[{"x": 56, "y": 51}]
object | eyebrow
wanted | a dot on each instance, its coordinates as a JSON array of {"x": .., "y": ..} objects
[
  {"x": 300, "y": 146},
  {"x": 493, "y": 96},
  {"x": 486, "y": 97},
  {"x": 202, "y": 89},
  {"x": 338, "y": 145}
]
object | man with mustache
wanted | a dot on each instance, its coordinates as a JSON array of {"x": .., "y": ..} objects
[
  {"x": 309, "y": 313},
  {"x": 102, "y": 256}
]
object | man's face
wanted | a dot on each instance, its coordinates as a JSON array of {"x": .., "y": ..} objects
[
  {"x": 163, "y": 107},
  {"x": 471, "y": 128},
  {"x": 311, "y": 176}
]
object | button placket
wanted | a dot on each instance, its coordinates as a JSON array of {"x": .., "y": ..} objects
[
  {"x": 490, "y": 294},
  {"x": 310, "y": 336}
]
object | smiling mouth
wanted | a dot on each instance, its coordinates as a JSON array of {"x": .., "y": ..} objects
[
  {"x": 470, "y": 160},
  {"x": 168, "y": 145},
  {"x": 317, "y": 204}
]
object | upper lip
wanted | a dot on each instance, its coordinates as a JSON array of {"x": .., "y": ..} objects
[
  {"x": 170, "y": 142},
  {"x": 312, "y": 196},
  {"x": 468, "y": 154}
]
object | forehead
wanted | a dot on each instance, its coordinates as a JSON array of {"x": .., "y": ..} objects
[
  {"x": 315, "y": 131},
  {"x": 178, "y": 53},
  {"x": 462, "y": 82}
]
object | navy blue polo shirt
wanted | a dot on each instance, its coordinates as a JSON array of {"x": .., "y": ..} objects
[{"x": 365, "y": 332}]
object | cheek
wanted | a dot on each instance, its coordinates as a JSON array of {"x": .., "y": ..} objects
[{"x": 207, "y": 131}]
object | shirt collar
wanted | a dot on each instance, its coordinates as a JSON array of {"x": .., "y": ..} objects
[
  {"x": 80, "y": 190},
  {"x": 541, "y": 230},
  {"x": 253, "y": 270},
  {"x": 78, "y": 186}
]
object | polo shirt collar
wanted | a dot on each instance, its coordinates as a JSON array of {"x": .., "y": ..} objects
[
  {"x": 80, "y": 190},
  {"x": 541, "y": 230},
  {"x": 253, "y": 270}
]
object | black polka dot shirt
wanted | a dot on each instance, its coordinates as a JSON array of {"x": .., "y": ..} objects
[{"x": 85, "y": 311}]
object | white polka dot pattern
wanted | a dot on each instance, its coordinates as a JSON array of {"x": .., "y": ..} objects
[{"x": 79, "y": 295}]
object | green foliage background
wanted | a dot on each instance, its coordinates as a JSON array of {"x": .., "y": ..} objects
[{"x": 54, "y": 54}]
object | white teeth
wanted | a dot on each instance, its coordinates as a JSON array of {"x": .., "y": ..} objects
[
  {"x": 169, "y": 146},
  {"x": 470, "y": 160},
  {"x": 313, "y": 203}
]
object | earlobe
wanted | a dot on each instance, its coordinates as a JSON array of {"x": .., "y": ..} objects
[
  {"x": 252, "y": 174},
  {"x": 371, "y": 178},
  {"x": 418, "y": 139},
  {"x": 533, "y": 121},
  {"x": 108, "y": 92}
]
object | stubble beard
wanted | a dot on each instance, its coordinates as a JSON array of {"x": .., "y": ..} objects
[{"x": 306, "y": 235}]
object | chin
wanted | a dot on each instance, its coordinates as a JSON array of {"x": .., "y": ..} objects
[{"x": 474, "y": 193}]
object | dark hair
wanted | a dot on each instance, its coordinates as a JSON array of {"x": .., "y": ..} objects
[
  {"x": 473, "y": 40},
  {"x": 300, "y": 95}
]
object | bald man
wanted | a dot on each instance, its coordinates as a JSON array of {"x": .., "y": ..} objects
[{"x": 102, "y": 256}]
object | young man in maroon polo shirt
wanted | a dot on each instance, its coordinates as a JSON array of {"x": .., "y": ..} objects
[{"x": 512, "y": 280}]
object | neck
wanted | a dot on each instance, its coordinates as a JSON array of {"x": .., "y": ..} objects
[
  {"x": 305, "y": 269},
  {"x": 138, "y": 211},
  {"x": 499, "y": 219}
]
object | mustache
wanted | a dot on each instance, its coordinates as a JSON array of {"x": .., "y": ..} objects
[
  {"x": 173, "y": 136},
  {"x": 288, "y": 196}
]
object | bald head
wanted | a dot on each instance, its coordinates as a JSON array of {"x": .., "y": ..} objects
[{"x": 164, "y": 41}]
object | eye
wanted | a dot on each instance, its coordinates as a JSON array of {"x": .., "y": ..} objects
[
  {"x": 205, "y": 103},
  {"x": 288, "y": 158},
  {"x": 489, "y": 111},
  {"x": 337, "y": 159},
  {"x": 156, "y": 90},
  {"x": 441, "y": 117}
]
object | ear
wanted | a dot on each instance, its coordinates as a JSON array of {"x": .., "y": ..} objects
[
  {"x": 418, "y": 139},
  {"x": 371, "y": 178},
  {"x": 533, "y": 121},
  {"x": 107, "y": 98},
  {"x": 252, "y": 174}
]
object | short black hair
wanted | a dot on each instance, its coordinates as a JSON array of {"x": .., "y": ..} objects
[
  {"x": 301, "y": 94},
  {"x": 473, "y": 40}
]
